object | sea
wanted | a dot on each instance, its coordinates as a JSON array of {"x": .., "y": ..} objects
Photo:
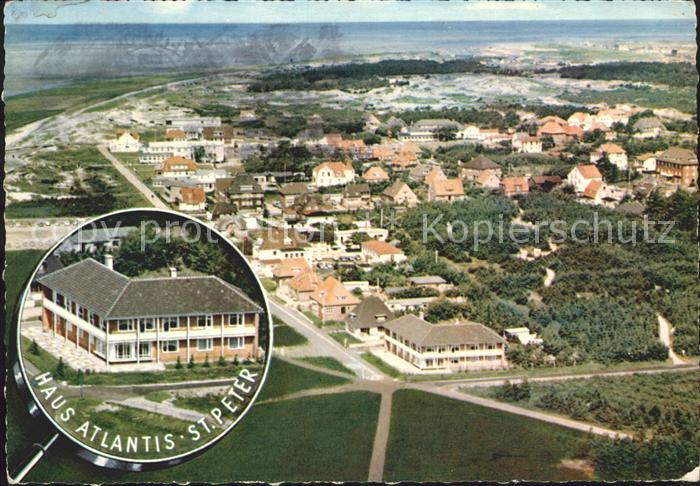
[{"x": 39, "y": 56}]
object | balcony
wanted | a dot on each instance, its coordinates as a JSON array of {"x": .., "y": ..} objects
[
  {"x": 73, "y": 319},
  {"x": 181, "y": 333}
]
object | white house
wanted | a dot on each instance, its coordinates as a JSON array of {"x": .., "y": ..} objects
[
  {"x": 377, "y": 251},
  {"x": 125, "y": 142},
  {"x": 332, "y": 174},
  {"x": 616, "y": 155},
  {"x": 582, "y": 175}
]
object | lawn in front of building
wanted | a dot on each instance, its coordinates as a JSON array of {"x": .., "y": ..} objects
[{"x": 435, "y": 438}]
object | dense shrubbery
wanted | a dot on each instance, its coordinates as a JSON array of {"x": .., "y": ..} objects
[
  {"x": 366, "y": 75},
  {"x": 674, "y": 74}
]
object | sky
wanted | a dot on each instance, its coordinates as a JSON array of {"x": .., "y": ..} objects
[{"x": 251, "y": 11}]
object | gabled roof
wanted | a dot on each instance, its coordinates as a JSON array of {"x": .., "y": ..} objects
[
  {"x": 678, "y": 155},
  {"x": 375, "y": 173},
  {"x": 192, "y": 195},
  {"x": 422, "y": 333},
  {"x": 371, "y": 312},
  {"x": 611, "y": 148},
  {"x": 171, "y": 162},
  {"x": 513, "y": 184},
  {"x": 592, "y": 189},
  {"x": 647, "y": 123},
  {"x": 338, "y": 168},
  {"x": 447, "y": 187},
  {"x": 291, "y": 267},
  {"x": 393, "y": 190},
  {"x": 481, "y": 162},
  {"x": 243, "y": 184},
  {"x": 331, "y": 292},
  {"x": 552, "y": 119},
  {"x": 174, "y": 134},
  {"x": 282, "y": 239},
  {"x": 589, "y": 171},
  {"x": 134, "y": 135},
  {"x": 435, "y": 174},
  {"x": 381, "y": 247},
  {"x": 356, "y": 190},
  {"x": 305, "y": 282},
  {"x": 552, "y": 128},
  {"x": 113, "y": 295},
  {"x": 296, "y": 188}
]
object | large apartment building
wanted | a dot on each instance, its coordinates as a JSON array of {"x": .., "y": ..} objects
[
  {"x": 129, "y": 320},
  {"x": 444, "y": 347}
]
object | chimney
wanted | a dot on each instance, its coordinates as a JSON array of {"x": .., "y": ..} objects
[
  {"x": 173, "y": 272},
  {"x": 109, "y": 261}
]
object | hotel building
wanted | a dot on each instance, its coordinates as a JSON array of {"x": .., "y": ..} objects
[{"x": 131, "y": 320}]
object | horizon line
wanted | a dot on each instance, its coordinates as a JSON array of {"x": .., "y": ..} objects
[{"x": 243, "y": 22}]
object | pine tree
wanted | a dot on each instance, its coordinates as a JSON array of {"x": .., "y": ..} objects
[
  {"x": 206, "y": 361},
  {"x": 190, "y": 365},
  {"x": 34, "y": 348},
  {"x": 178, "y": 364},
  {"x": 60, "y": 370},
  {"x": 222, "y": 361}
]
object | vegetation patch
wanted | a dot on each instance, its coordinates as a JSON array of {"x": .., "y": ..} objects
[{"x": 328, "y": 362}]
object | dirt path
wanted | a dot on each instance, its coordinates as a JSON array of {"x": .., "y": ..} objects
[
  {"x": 506, "y": 407},
  {"x": 132, "y": 178},
  {"x": 381, "y": 439},
  {"x": 549, "y": 277},
  {"x": 665, "y": 330}
]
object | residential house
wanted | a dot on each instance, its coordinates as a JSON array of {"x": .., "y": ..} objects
[
  {"x": 247, "y": 115},
  {"x": 514, "y": 186},
  {"x": 290, "y": 268},
  {"x": 331, "y": 301},
  {"x": 375, "y": 175},
  {"x": 648, "y": 127},
  {"x": 615, "y": 154},
  {"x": 367, "y": 319},
  {"x": 470, "y": 171},
  {"x": 277, "y": 244},
  {"x": 400, "y": 194},
  {"x": 434, "y": 282},
  {"x": 489, "y": 180},
  {"x": 330, "y": 174},
  {"x": 178, "y": 167},
  {"x": 446, "y": 190},
  {"x": 303, "y": 286},
  {"x": 95, "y": 239},
  {"x": 469, "y": 132},
  {"x": 243, "y": 191},
  {"x": 678, "y": 166},
  {"x": 175, "y": 135},
  {"x": 344, "y": 236},
  {"x": 120, "y": 319},
  {"x": 428, "y": 130},
  {"x": 582, "y": 175},
  {"x": 125, "y": 142},
  {"x": 581, "y": 120},
  {"x": 435, "y": 174},
  {"x": 190, "y": 198},
  {"x": 378, "y": 252},
  {"x": 444, "y": 347},
  {"x": 292, "y": 191},
  {"x": 524, "y": 143},
  {"x": 372, "y": 123},
  {"x": 609, "y": 117},
  {"x": 357, "y": 196},
  {"x": 554, "y": 130},
  {"x": 544, "y": 182},
  {"x": 646, "y": 163},
  {"x": 523, "y": 335}
]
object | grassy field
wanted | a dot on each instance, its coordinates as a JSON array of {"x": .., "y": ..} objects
[
  {"x": 285, "y": 378},
  {"x": 286, "y": 336},
  {"x": 381, "y": 365},
  {"x": 344, "y": 338},
  {"x": 619, "y": 402},
  {"x": 328, "y": 362},
  {"x": 201, "y": 404},
  {"x": 321, "y": 438},
  {"x": 92, "y": 180},
  {"x": 438, "y": 439},
  {"x": 23, "y": 109}
]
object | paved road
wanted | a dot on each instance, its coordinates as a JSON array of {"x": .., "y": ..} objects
[
  {"x": 505, "y": 407},
  {"x": 323, "y": 344},
  {"x": 132, "y": 178}
]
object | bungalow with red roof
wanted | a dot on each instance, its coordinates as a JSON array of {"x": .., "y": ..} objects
[
  {"x": 378, "y": 251},
  {"x": 191, "y": 199},
  {"x": 375, "y": 175},
  {"x": 177, "y": 167}
]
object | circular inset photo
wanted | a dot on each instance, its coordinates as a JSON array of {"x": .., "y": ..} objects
[{"x": 144, "y": 337}]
